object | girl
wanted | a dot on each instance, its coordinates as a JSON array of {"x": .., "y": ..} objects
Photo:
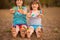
[
  {"x": 35, "y": 15},
  {"x": 19, "y": 18}
]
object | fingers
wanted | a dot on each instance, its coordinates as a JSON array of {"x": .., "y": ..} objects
[{"x": 12, "y": 11}]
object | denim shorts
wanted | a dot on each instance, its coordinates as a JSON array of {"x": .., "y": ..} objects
[{"x": 36, "y": 26}]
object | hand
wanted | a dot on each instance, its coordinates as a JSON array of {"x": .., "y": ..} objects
[
  {"x": 39, "y": 16},
  {"x": 12, "y": 11},
  {"x": 20, "y": 11},
  {"x": 28, "y": 15}
]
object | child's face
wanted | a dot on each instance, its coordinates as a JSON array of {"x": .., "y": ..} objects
[
  {"x": 19, "y": 2},
  {"x": 35, "y": 6}
]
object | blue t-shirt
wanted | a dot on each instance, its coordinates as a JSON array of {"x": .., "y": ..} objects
[{"x": 19, "y": 18}]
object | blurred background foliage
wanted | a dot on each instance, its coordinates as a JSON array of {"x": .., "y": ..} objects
[{"x": 46, "y": 3}]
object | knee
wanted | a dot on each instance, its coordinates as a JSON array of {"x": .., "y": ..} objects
[
  {"x": 39, "y": 29},
  {"x": 12, "y": 28},
  {"x": 30, "y": 30}
]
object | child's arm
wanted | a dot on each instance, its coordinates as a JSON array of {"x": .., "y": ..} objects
[
  {"x": 12, "y": 11},
  {"x": 41, "y": 13},
  {"x": 25, "y": 10},
  {"x": 28, "y": 15}
]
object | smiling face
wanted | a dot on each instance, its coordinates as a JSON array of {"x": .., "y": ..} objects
[
  {"x": 35, "y": 6},
  {"x": 19, "y": 2}
]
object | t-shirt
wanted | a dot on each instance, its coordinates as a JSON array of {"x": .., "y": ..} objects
[
  {"x": 19, "y": 18},
  {"x": 34, "y": 20}
]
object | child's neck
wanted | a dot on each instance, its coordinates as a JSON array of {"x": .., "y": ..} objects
[
  {"x": 19, "y": 7},
  {"x": 35, "y": 10}
]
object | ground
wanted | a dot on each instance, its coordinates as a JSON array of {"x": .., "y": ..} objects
[{"x": 50, "y": 21}]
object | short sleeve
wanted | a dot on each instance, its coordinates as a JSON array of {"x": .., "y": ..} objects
[
  {"x": 15, "y": 8},
  {"x": 40, "y": 11},
  {"x": 25, "y": 8}
]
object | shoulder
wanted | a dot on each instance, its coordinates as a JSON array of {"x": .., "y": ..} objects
[
  {"x": 15, "y": 8},
  {"x": 40, "y": 11},
  {"x": 24, "y": 7}
]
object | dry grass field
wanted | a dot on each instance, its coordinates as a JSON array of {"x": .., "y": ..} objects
[{"x": 50, "y": 21}]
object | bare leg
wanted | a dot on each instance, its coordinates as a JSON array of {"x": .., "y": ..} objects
[
  {"x": 30, "y": 31},
  {"x": 39, "y": 32},
  {"x": 14, "y": 31},
  {"x": 23, "y": 31}
]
